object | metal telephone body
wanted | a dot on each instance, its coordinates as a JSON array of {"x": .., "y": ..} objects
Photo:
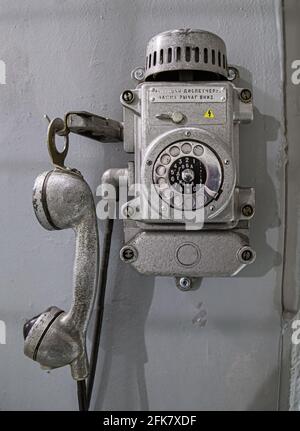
[{"x": 183, "y": 129}]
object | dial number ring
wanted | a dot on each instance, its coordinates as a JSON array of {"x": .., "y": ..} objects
[{"x": 187, "y": 172}]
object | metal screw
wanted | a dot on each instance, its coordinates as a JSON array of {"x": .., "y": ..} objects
[
  {"x": 128, "y": 211},
  {"x": 246, "y": 95},
  {"x": 187, "y": 133},
  {"x": 226, "y": 162},
  {"x": 128, "y": 96},
  {"x": 149, "y": 162},
  {"x": 247, "y": 255},
  {"x": 233, "y": 73},
  {"x": 185, "y": 283},
  {"x": 138, "y": 74},
  {"x": 212, "y": 208},
  {"x": 128, "y": 254},
  {"x": 247, "y": 210}
]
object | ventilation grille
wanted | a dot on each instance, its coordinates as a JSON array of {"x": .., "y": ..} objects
[
  {"x": 189, "y": 54},
  {"x": 186, "y": 50}
]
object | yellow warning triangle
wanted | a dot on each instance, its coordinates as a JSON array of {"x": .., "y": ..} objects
[{"x": 209, "y": 114}]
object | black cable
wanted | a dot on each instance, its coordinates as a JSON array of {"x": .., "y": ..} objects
[
  {"x": 82, "y": 395},
  {"x": 102, "y": 279}
]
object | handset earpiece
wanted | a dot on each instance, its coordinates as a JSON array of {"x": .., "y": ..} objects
[{"x": 55, "y": 338}]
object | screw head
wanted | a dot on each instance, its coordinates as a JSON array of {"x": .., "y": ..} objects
[
  {"x": 128, "y": 211},
  {"x": 212, "y": 208},
  {"x": 233, "y": 73},
  {"x": 226, "y": 162},
  {"x": 246, "y": 95},
  {"x": 128, "y": 254},
  {"x": 128, "y": 96},
  {"x": 185, "y": 283},
  {"x": 246, "y": 255},
  {"x": 247, "y": 210},
  {"x": 149, "y": 162},
  {"x": 187, "y": 134},
  {"x": 138, "y": 73}
]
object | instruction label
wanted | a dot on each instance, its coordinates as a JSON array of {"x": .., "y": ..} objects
[{"x": 187, "y": 94}]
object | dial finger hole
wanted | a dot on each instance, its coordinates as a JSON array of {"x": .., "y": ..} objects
[
  {"x": 165, "y": 159},
  {"x": 178, "y": 200},
  {"x": 160, "y": 170},
  {"x": 162, "y": 183},
  {"x": 198, "y": 150},
  {"x": 186, "y": 148},
  {"x": 174, "y": 151},
  {"x": 167, "y": 194}
]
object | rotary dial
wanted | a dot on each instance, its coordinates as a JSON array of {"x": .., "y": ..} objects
[{"x": 187, "y": 173}]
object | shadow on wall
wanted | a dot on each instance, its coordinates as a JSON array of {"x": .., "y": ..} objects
[
  {"x": 123, "y": 350},
  {"x": 254, "y": 139}
]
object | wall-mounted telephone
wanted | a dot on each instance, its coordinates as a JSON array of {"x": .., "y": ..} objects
[{"x": 188, "y": 216}]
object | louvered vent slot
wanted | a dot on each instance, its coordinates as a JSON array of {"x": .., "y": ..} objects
[
  {"x": 205, "y": 55},
  {"x": 161, "y": 56},
  {"x": 213, "y": 56},
  {"x": 154, "y": 58},
  {"x": 187, "y": 53}
]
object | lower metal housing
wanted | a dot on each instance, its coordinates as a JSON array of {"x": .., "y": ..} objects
[{"x": 173, "y": 252}]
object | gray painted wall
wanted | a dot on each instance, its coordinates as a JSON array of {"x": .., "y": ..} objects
[{"x": 75, "y": 54}]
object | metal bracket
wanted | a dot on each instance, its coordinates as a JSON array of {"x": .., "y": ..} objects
[
  {"x": 81, "y": 123},
  {"x": 94, "y": 127}
]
